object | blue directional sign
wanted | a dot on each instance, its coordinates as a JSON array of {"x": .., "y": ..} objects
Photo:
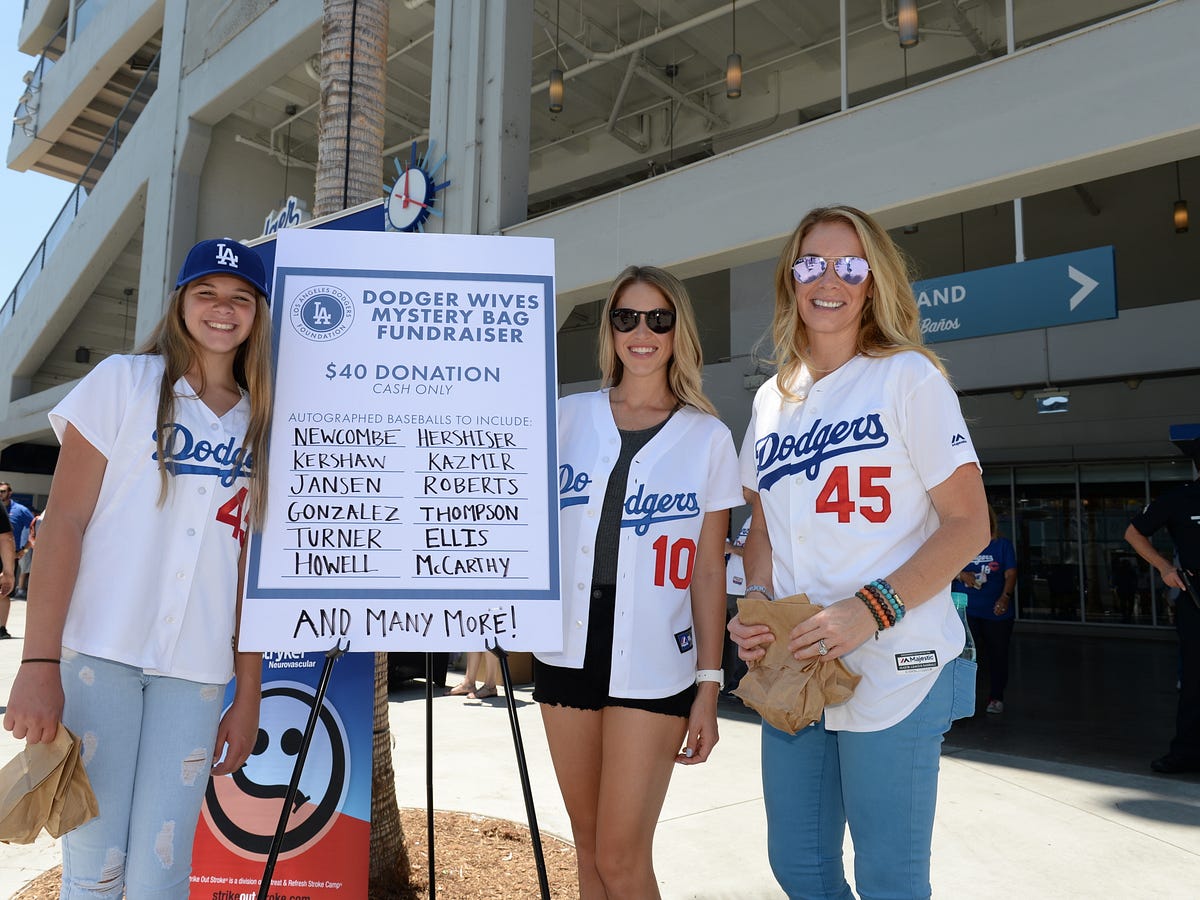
[{"x": 1038, "y": 293}]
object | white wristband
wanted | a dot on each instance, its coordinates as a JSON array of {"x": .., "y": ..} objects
[{"x": 716, "y": 675}]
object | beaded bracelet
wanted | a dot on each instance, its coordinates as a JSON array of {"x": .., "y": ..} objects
[
  {"x": 874, "y": 610},
  {"x": 888, "y": 611},
  {"x": 891, "y": 596}
]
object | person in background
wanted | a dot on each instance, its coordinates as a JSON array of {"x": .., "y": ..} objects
[
  {"x": 1178, "y": 510},
  {"x": 735, "y": 587},
  {"x": 868, "y": 497},
  {"x": 647, "y": 476},
  {"x": 989, "y": 581},
  {"x": 27, "y": 567},
  {"x": 19, "y": 517},
  {"x": 159, "y": 470},
  {"x": 467, "y": 687},
  {"x": 8, "y": 562}
]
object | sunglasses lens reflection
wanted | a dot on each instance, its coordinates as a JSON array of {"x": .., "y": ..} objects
[
  {"x": 851, "y": 269},
  {"x": 660, "y": 321}
]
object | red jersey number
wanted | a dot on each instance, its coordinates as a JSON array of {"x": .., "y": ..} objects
[
  {"x": 233, "y": 513},
  {"x": 674, "y": 561},
  {"x": 836, "y": 497}
]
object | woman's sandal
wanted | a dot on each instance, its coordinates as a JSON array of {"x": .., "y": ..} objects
[
  {"x": 461, "y": 689},
  {"x": 483, "y": 693}
]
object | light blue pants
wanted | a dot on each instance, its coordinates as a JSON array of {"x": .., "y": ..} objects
[
  {"x": 147, "y": 747},
  {"x": 882, "y": 783}
]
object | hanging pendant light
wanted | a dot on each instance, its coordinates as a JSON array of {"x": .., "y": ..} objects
[
  {"x": 906, "y": 19},
  {"x": 556, "y": 74},
  {"x": 1180, "y": 214},
  {"x": 733, "y": 62}
]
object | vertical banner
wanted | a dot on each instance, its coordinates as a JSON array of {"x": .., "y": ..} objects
[
  {"x": 325, "y": 848},
  {"x": 413, "y": 459}
]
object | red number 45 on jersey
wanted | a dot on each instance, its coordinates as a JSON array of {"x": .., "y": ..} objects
[{"x": 837, "y": 497}]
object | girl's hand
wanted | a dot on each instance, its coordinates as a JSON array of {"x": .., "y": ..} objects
[
  {"x": 236, "y": 736},
  {"x": 843, "y": 626},
  {"x": 36, "y": 703},
  {"x": 702, "y": 726},
  {"x": 750, "y": 639}
]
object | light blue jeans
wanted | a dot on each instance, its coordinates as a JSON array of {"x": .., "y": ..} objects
[
  {"x": 883, "y": 783},
  {"x": 147, "y": 747}
]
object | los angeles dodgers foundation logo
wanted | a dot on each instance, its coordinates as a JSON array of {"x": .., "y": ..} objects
[{"x": 322, "y": 313}]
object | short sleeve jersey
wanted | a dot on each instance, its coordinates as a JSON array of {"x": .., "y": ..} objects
[
  {"x": 989, "y": 568},
  {"x": 843, "y": 474},
  {"x": 157, "y": 584},
  {"x": 1179, "y": 510},
  {"x": 689, "y": 468}
]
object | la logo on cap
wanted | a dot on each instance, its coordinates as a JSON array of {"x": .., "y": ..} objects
[{"x": 226, "y": 256}]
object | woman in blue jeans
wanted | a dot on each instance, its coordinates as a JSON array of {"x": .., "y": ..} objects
[{"x": 867, "y": 496}]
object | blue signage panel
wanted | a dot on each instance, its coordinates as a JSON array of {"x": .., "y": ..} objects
[{"x": 1038, "y": 293}]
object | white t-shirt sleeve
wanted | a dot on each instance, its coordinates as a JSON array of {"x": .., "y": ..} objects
[
  {"x": 935, "y": 431},
  {"x": 96, "y": 406},
  {"x": 724, "y": 486},
  {"x": 746, "y": 460}
]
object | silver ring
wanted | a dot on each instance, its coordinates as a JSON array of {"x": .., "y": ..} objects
[{"x": 821, "y": 648}]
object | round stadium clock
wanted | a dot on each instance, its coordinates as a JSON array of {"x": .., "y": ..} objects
[{"x": 412, "y": 198}]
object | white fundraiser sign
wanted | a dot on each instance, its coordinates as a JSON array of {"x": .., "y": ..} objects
[{"x": 413, "y": 498}]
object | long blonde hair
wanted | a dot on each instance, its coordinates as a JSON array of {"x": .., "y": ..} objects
[
  {"x": 685, "y": 369},
  {"x": 251, "y": 370},
  {"x": 891, "y": 322}
]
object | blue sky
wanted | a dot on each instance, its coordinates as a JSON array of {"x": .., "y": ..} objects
[{"x": 30, "y": 201}]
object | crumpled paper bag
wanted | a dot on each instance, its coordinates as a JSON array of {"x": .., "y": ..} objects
[
  {"x": 788, "y": 694},
  {"x": 45, "y": 786}
]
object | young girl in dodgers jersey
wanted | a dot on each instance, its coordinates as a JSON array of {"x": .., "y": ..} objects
[
  {"x": 868, "y": 497},
  {"x": 647, "y": 476},
  {"x": 135, "y": 595}
]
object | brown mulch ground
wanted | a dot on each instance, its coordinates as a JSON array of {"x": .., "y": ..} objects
[{"x": 477, "y": 859}]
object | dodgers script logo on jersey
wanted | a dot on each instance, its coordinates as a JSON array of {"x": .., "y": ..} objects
[
  {"x": 185, "y": 456},
  {"x": 641, "y": 509},
  {"x": 780, "y": 455}
]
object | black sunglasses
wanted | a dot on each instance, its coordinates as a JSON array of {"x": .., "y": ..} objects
[{"x": 660, "y": 321}]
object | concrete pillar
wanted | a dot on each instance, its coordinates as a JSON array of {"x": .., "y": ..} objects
[{"x": 479, "y": 113}]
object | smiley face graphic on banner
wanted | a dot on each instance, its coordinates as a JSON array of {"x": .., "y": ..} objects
[{"x": 243, "y": 810}]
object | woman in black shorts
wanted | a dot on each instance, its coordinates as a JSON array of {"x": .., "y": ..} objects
[{"x": 647, "y": 476}]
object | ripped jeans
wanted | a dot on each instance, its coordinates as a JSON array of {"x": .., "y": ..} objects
[{"x": 147, "y": 747}]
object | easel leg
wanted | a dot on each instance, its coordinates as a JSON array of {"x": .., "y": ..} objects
[
  {"x": 429, "y": 770},
  {"x": 281, "y": 829},
  {"x": 534, "y": 834}
]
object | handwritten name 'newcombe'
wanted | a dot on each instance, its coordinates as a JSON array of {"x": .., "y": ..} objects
[{"x": 819, "y": 443}]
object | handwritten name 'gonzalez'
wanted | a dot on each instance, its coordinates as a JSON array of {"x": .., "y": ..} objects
[{"x": 819, "y": 443}]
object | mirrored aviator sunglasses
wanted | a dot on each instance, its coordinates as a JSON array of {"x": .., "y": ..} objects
[
  {"x": 660, "y": 321},
  {"x": 851, "y": 269}
]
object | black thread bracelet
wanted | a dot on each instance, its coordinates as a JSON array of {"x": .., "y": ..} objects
[{"x": 42, "y": 659}]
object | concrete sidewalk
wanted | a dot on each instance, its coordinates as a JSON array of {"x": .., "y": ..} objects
[{"x": 1007, "y": 826}]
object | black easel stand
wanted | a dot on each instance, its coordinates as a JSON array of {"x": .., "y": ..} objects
[
  {"x": 543, "y": 882},
  {"x": 429, "y": 770},
  {"x": 277, "y": 842}
]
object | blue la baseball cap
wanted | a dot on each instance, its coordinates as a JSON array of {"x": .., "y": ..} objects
[{"x": 224, "y": 256}]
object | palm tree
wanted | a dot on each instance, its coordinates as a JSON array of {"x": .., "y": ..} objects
[{"x": 350, "y": 171}]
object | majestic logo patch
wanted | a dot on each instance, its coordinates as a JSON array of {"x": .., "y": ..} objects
[
  {"x": 957, "y": 441},
  {"x": 819, "y": 443},
  {"x": 916, "y": 659},
  {"x": 684, "y": 640}
]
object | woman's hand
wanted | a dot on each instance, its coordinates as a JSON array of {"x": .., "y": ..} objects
[
  {"x": 751, "y": 640},
  {"x": 842, "y": 626},
  {"x": 36, "y": 703},
  {"x": 967, "y": 577},
  {"x": 702, "y": 726},
  {"x": 236, "y": 735}
]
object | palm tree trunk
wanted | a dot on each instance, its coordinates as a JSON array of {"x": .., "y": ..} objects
[{"x": 349, "y": 172}]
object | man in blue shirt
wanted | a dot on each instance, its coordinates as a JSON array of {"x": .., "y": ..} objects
[{"x": 19, "y": 516}]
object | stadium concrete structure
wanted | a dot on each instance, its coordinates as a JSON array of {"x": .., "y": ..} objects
[{"x": 1013, "y": 129}]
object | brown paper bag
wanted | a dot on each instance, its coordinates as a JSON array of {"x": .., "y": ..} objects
[
  {"x": 45, "y": 786},
  {"x": 788, "y": 694}
]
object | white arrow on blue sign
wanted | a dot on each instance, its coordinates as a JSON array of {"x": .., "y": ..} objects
[{"x": 1039, "y": 293}]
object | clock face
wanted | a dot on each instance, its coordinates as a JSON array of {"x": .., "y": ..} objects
[{"x": 411, "y": 200}]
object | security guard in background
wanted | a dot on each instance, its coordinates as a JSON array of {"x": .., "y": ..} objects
[{"x": 1179, "y": 511}]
